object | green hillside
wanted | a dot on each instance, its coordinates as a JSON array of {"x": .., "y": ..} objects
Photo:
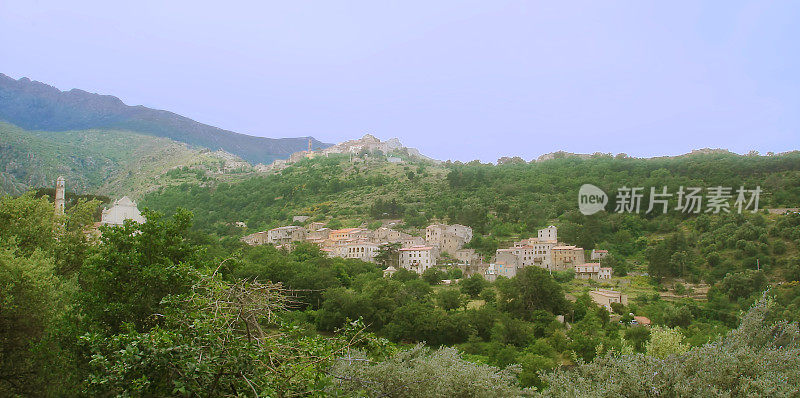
[
  {"x": 107, "y": 162},
  {"x": 167, "y": 309},
  {"x": 511, "y": 201}
]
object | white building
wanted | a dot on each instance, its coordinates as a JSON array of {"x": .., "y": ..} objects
[
  {"x": 418, "y": 258},
  {"x": 364, "y": 251},
  {"x": 123, "y": 209},
  {"x": 389, "y": 271}
]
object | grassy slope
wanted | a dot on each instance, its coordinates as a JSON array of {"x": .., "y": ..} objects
[{"x": 108, "y": 162}]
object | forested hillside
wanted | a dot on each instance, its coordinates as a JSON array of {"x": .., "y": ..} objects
[
  {"x": 159, "y": 309},
  {"x": 506, "y": 201},
  {"x": 109, "y": 162},
  {"x": 183, "y": 308}
]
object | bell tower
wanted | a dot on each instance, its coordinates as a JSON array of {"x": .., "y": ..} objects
[
  {"x": 60, "y": 182},
  {"x": 309, "y": 153}
]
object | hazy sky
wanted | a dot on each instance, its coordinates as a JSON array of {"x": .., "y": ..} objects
[{"x": 457, "y": 79}]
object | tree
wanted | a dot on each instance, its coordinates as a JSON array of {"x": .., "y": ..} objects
[
  {"x": 454, "y": 273},
  {"x": 531, "y": 365},
  {"x": 743, "y": 284},
  {"x": 639, "y": 337},
  {"x": 138, "y": 265},
  {"x": 473, "y": 286},
  {"x": 433, "y": 276},
  {"x": 619, "y": 266},
  {"x": 759, "y": 358},
  {"x": 388, "y": 254},
  {"x": 532, "y": 289},
  {"x": 220, "y": 339},
  {"x": 30, "y": 294},
  {"x": 28, "y": 221},
  {"x": 417, "y": 288},
  {"x": 404, "y": 275},
  {"x": 422, "y": 372},
  {"x": 664, "y": 342},
  {"x": 451, "y": 299}
]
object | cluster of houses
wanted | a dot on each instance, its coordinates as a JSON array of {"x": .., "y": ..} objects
[
  {"x": 415, "y": 253},
  {"x": 547, "y": 252},
  {"x": 442, "y": 243}
]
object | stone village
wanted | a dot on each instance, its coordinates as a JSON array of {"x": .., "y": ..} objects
[{"x": 443, "y": 245}]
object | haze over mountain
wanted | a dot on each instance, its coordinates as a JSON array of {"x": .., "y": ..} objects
[{"x": 37, "y": 106}]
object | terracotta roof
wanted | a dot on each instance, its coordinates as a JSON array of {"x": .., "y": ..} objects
[{"x": 587, "y": 265}]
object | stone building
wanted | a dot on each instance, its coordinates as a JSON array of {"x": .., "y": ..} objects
[
  {"x": 468, "y": 257},
  {"x": 565, "y": 257},
  {"x": 122, "y": 209},
  {"x": 258, "y": 238},
  {"x": 287, "y": 234},
  {"x": 549, "y": 234},
  {"x": 418, "y": 258},
  {"x": 495, "y": 270},
  {"x": 448, "y": 238},
  {"x": 318, "y": 236},
  {"x": 388, "y": 235}
]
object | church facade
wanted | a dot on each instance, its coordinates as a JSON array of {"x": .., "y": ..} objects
[{"x": 122, "y": 209}]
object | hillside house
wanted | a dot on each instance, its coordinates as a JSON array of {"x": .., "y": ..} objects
[
  {"x": 418, "y": 258},
  {"x": 549, "y": 234},
  {"x": 592, "y": 271},
  {"x": 467, "y": 257},
  {"x": 287, "y": 234},
  {"x": 605, "y": 298},
  {"x": 364, "y": 251},
  {"x": 448, "y": 238},
  {"x": 598, "y": 254},
  {"x": 315, "y": 225},
  {"x": 565, "y": 257},
  {"x": 389, "y": 235}
]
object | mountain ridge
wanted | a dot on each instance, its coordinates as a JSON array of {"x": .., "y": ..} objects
[{"x": 33, "y": 105}]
